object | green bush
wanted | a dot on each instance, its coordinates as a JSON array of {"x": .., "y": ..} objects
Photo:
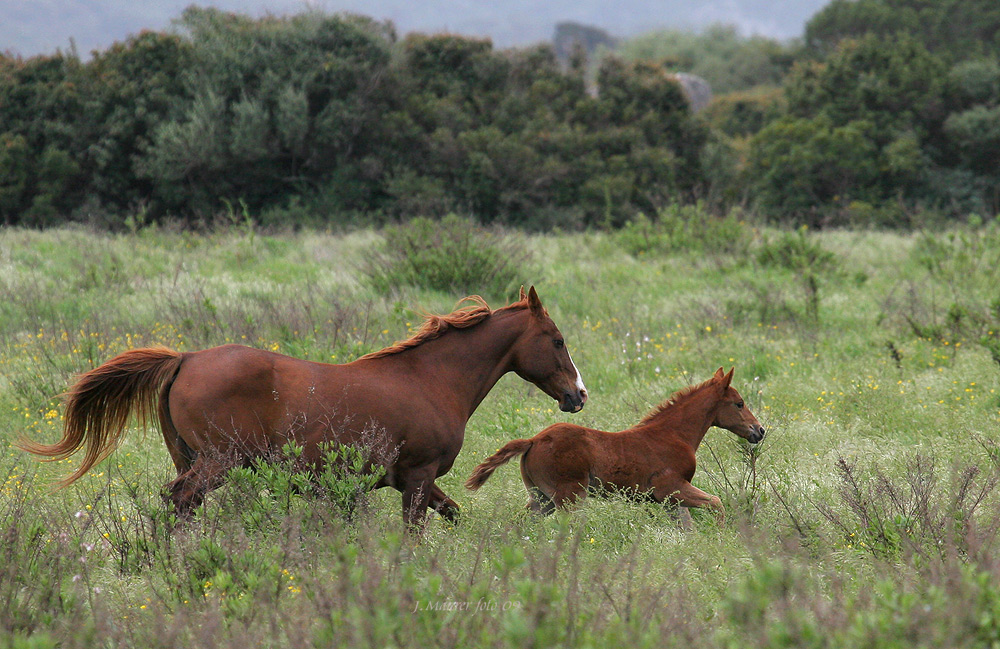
[
  {"x": 963, "y": 262},
  {"x": 275, "y": 488},
  {"x": 954, "y": 28},
  {"x": 802, "y": 167},
  {"x": 807, "y": 260},
  {"x": 451, "y": 255},
  {"x": 641, "y": 236},
  {"x": 796, "y": 251},
  {"x": 685, "y": 227}
]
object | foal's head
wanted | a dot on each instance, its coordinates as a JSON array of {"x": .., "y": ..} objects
[
  {"x": 540, "y": 356},
  {"x": 732, "y": 413}
]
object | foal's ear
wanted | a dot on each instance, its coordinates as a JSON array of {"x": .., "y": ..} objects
[
  {"x": 719, "y": 374},
  {"x": 534, "y": 303},
  {"x": 523, "y": 296},
  {"x": 728, "y": 378}
]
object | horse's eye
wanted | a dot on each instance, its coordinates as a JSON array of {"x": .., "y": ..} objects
[
  {"x": 559, "y": 343},
  {"x": 739, "y": 404}
]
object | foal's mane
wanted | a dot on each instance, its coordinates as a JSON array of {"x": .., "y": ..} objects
[
  {"x": 676, "y": 399},
  {"x": 436, "y": 326}
]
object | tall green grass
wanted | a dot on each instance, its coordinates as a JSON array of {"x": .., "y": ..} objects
[{"x": 868, "y": 517}]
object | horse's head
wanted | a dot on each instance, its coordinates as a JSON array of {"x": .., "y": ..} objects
[
  {"x": 732, "y": 413},
  {"x": 540, "y": 356}
]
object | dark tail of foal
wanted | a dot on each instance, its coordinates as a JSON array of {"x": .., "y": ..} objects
[
  {"x": 482, "y": 472},
  {"x": 99, "y": 405}
]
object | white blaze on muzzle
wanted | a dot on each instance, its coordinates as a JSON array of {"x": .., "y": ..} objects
[{"x": 579, "y": 379}]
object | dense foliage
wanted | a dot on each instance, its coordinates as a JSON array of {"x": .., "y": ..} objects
[
  {"x": 719, "y": 54},
  {"x": 451, "y": 255},
  {"x": 957, "y": 28},
  {"x": 330, "y": 116},
  {"x": 886, "y": 113},
  {"x": 897, "y": 111}
]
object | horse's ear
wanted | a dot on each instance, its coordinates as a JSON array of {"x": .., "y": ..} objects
[
  {"x": 534, "y": 303},
  {"x": 719, "y": 374},
  {"x": 728, "y": 378},
  {"x": 523, "y": 296}
]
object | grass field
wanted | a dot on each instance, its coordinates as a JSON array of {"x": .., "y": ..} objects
[{"x": 867, "y": 518}]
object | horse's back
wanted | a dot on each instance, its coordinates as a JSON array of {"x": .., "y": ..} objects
[
  {"x": 238, "y": 392},
  {"x": 236, "y": 370}
]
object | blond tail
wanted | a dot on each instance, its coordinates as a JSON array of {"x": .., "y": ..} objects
[{"x": 99, "y": 405}]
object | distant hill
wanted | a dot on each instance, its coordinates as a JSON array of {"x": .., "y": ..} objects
[{"x": 31, "y": 27}]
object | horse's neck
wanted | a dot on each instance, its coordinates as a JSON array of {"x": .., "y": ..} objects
[
  {"x": 465, "y": 364},
  {"x": 688, "y": 420}
]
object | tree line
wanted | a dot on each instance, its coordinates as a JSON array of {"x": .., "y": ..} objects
[{"x": 885, "y": 109}]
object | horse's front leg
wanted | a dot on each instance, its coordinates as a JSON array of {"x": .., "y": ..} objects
[
  {"x": 443, "y": 505},
  {"x": 686, "y": 494},
  {"x": 418, "y": 486},
  {"x": 689, "y": 495}
]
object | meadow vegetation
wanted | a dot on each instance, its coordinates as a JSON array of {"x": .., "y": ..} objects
[{"x": 867, "y": 517}]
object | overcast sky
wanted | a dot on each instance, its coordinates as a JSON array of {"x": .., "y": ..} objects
[{"x": 31, "y": 27}]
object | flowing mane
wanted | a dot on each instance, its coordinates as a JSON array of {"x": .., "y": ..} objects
[
  {"x": 436, "y": 326},
  {"x": 674, "y": 399}
]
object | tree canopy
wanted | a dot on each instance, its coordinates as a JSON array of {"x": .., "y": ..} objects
[{"x": 886, "y": 108}]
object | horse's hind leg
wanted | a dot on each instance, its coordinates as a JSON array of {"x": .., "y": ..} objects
[
  {"x": 539, "y": 502},
  {"x": 443, "y": 505},
  {"x": 182, "y": 454},
  {"x": 188, "y": 491},
  {"x": 545, "y": 496},
  {"x": 566, "y": 495}
]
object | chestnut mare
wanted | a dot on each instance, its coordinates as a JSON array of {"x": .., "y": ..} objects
[
  {"x": 235, "y": 404},
  {"x": 656, "y": 458}
]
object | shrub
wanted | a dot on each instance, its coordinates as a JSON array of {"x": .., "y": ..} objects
[
  {"x": 349, "y": 473},
  {"x": 800, "y": 167},
  {"x": 685, "y": 227},
  {"x": 919, "y": 513},
  {"x": 806, "y": 258},
  {"x": 795, "y": 251},
  {"x": 451, "y": 255},
  {"x": 961, "y": 264},
  {"x": 641, "y": 235}
]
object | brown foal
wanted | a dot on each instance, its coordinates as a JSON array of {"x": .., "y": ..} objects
[{"x": 655, "y": 458}]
